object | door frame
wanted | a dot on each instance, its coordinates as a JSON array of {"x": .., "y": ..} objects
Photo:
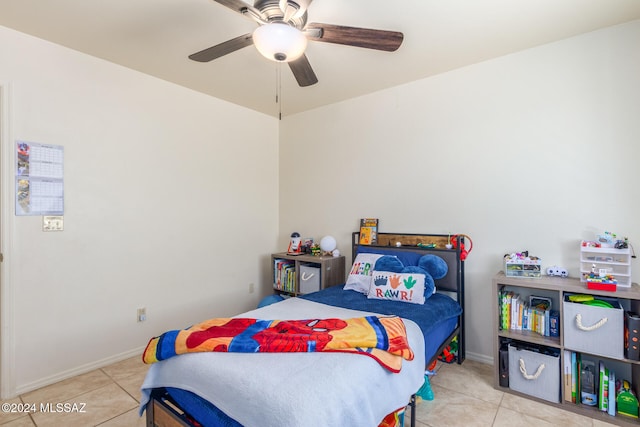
[{"x": 7, "y": 172}]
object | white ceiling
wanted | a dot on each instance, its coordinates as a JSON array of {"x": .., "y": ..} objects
[{"x": 156, "y": 36}]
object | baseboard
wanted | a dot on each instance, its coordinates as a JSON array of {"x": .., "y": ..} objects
[
  {"x": 83, "y": 369},
  {"x": 481, "y": 358}
]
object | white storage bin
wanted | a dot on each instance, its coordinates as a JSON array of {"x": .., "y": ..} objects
[
  {"x": 535, "y": 373},
  {"x": 594, "y": 330},
  {"x": 309, "y": 279}
]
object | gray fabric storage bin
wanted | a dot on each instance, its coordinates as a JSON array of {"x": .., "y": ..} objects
[
  {"x": 545, "y": 384},
  {"x": 309, "y": 279},
  {"x": 583, "y": 333}
]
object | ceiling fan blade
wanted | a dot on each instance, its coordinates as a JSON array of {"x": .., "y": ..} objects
[
  {"x": 302, "y": 71},
  {"x": 222, "y": 49},
  {"x": 388, "y": 41}
]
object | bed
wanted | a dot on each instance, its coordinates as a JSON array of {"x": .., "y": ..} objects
[{"x": 315, "y": 388}]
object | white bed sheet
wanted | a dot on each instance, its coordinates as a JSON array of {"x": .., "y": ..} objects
[{"x": 295, "y": 389}]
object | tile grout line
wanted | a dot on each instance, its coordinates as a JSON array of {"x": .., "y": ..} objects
[{"x": 128, "y": 394}]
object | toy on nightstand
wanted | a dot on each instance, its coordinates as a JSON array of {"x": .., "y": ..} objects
[{"x": 295, "y": 246}]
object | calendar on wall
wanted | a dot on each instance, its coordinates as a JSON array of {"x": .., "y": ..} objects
[{"x": 39, "y": 179}]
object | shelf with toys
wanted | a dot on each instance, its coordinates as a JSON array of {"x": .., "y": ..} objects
[
  {"x": 571, "y": 342},
  {"x": 605, "y": 264},
  {"x": 546, "y": 364}
]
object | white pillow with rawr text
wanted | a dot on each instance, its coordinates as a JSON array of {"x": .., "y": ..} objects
[
  {"x": 359, "y": 278},
  {"x": 402, "y": 287}
]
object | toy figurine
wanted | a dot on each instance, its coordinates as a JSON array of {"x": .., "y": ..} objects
[
  {"x": 294, "y": 245},
  {"x": 315, "y": 250}
]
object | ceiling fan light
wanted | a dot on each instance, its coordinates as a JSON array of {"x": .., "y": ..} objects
[{"x": 279, "y": 42}]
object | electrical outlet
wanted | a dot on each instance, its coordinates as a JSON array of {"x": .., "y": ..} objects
[
  {"x": 53, "y": 223},
  {"x": 252, "y": 288},
  {"x": 142, "y": 314}
]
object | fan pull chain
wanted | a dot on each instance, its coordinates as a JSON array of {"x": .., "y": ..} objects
[{"x": 279, "y": 89}]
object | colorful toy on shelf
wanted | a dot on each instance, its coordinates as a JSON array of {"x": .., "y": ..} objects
[
  {"x": 607, "y": 239},
  {"x": 600, "y": 275},
  {"x": 557, "y": 271},
  {"x": 590, "y": 244},
  {"x": 426, "y": 245},
  {"x": 315, "y": 249},
  {"x": 626, "y": 399},
  {"x": 600, "y": 279},
  {"x": 521, "y": 264}
]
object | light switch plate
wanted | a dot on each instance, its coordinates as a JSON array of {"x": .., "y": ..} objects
[{"x": 53, "y": 223}]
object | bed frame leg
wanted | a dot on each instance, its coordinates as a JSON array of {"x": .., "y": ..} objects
[{"x": 412, "y": 404}]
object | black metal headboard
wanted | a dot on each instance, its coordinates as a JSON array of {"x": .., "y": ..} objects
[
  {"x": 423, "y": 244},
  {"x": 434, "y": 244}
]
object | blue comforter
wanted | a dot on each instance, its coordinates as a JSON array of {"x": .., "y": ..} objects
[{"x": 436, "y": 309}]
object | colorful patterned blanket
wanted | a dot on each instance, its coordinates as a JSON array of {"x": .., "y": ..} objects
[{"x": 380, "y": 337}]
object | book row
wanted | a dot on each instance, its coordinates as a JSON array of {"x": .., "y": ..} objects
[
  {"x": 284, "y": 275},
  {"x": 534, "y": 314}
]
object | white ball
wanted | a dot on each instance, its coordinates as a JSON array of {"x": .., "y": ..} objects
[{"x": 328, "y": 243}]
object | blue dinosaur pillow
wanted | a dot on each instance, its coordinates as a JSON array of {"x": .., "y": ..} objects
[{"x": 395, "y": 286}]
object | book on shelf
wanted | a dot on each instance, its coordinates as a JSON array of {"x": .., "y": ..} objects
[
  {"x": 569, "y": 391},
  {"x": 611, "y": 410},
  {"x": 368, "y": 231},
  {"x": 603, "y": 388}
]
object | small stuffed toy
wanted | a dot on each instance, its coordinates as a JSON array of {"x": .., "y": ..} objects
[{"x": 394, "y": 281}]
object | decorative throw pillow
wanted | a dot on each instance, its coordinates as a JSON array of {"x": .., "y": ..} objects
[
  {"x": 360, "y": 275},
  {"x": 403, "y": 287}
]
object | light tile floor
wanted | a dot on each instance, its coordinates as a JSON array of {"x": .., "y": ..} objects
[{"x": 464, "y": 396}]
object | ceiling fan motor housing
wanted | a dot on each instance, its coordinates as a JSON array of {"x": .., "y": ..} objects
[{"x": 272, "y": 11}]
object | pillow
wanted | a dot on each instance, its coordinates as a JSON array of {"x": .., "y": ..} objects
[
  {"x": 402, "y": 287},
  {"x": 435, "y": 265},
  {"x": 429, "y": 284},
  {"x": 393, "y": 264},
  {"x": 360, "y": 275},
  {"x": 389, "y": 263}
]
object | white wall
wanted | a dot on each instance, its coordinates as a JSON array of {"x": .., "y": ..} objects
[
  {"x": 535, "y": 150},
  {"x": 172, "y": 196},
  {"x": 170, "y": 204}
]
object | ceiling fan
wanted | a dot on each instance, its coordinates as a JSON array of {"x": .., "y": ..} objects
[{"x": 283, "y": 33}]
